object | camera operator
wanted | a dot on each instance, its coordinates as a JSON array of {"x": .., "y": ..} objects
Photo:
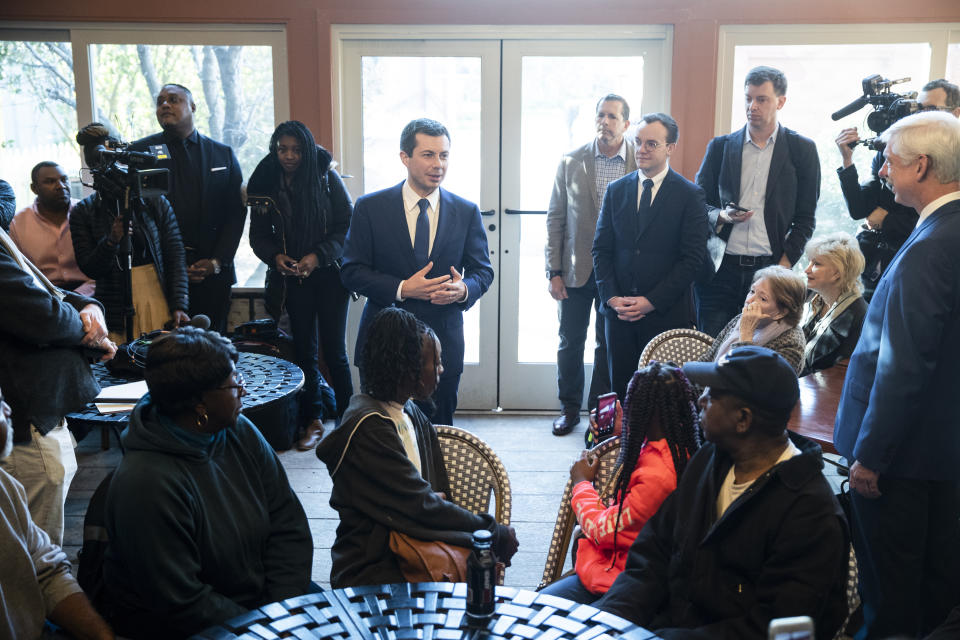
[
  {"x": 890, "y": 221},
  {"x": 158, "y": 273}
]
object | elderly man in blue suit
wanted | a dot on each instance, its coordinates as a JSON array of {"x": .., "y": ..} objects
[
  {"x": 423, "y": 249},
  {"x": 897, "y": 422},
  {"x": 650, "y": 241}
]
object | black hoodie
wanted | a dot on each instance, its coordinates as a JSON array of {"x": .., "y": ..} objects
[
  {"x": 202, "y": 528},
  {"x": 377, "y": 489}
]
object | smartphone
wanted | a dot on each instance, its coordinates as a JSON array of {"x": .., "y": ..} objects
[
  {"x": 606, "y": 410},
  {"x": 736, "y": 207},
  {"x": 795, "y": 628}
]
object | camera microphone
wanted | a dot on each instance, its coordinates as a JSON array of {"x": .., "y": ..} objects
[
  {"x": 129, "y": 158},
  {"x": 200, "y": 321},
  {"x": 856, "y": 105}
]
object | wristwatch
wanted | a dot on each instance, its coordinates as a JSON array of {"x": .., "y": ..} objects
[
  {"x": 553, "y": 274},
  {"x": 216, "y": 266}
]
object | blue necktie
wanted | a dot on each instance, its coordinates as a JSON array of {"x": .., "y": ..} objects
[
  {"x": 421, "y": 240},
  {"x": 645, "y": 196}
]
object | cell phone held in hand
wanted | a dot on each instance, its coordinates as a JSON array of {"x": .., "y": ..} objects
[{"x": 606, "y": 410}]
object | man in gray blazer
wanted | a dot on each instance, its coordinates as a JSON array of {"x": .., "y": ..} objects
[{"x": 582, "y": 179}]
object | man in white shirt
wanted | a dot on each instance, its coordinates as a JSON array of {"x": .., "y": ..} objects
[{"x": 423, "y": 249}]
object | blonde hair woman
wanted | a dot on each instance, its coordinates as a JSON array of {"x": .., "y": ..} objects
[{"x": 835, "y": 306}]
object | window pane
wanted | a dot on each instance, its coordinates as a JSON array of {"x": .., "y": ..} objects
[
  {"x": 820, "y": 80},
  {"x": 38, "y": 116},
  {"x": 558, "y": 114},
  {"x": 953, "y": 63},
  {"x": 398, "y": 89},
  {"x": 231, "y": 85}
]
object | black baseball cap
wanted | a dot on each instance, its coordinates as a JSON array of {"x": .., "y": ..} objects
[{"x": 758, "y": 375}]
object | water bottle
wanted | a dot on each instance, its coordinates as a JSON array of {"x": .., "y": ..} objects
[{"x": 481, "y": 580}]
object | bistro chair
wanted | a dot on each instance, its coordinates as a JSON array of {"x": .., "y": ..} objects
[
  {"x": 563, "y": 531},
  {"x": 678, "y": 346}
]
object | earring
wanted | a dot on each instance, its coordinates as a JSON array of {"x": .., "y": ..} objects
[{"x": 202, "y": 420}]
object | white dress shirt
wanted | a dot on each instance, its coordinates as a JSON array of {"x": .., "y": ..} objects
[{"x": 657, "y": 181}]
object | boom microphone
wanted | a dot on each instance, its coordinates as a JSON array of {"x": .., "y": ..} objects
[{"x": 856, "y": 105}]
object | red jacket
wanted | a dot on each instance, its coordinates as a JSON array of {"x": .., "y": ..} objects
[{"x": 652, "y": 480}]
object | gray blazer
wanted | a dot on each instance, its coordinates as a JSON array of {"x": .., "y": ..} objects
[{"x": 572, "y": 214}]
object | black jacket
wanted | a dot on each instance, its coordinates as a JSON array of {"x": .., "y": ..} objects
[
  {"x": 837, "y": 341},
  {"x": 377, "y": 489},
  {"x": 793, "y": 187},
  {"x": 43, "y": 372},
  {"x": 223, "y": 214},
  {"x": 90, "y": 223},
  {"x": 779, "y": 550},
  {"x": 273, "y": 231},
  {"x": 862, "y": 199}
]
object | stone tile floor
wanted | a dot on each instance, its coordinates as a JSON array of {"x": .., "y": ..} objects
[{"x": 536, "y": 461}]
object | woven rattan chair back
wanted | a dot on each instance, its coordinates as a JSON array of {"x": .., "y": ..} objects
[
  {"x": 475, "y": 472},
  {"x": 678, "y": 346},
  {"x": 607, "y": 451}
]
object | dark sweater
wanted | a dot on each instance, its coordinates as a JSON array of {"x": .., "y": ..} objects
[
  {"x": 199, "y": 531},
  {"x": 377, "y": 489}
]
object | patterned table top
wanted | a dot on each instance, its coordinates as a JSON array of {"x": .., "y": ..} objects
[{"x": 423, "y": 611}]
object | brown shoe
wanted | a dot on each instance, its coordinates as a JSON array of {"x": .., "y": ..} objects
[
  {"x": 312, "y": 434},
  {"x": 566, "y": 422}
]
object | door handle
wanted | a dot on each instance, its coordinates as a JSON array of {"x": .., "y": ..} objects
[
  {"x": 489, "y": 212},
  {"x": 520, "y": 212}
]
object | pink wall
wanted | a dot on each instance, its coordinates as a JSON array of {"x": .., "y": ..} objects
[{"x": 308, "y": 31}]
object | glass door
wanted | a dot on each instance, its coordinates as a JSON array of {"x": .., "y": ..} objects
[
  {"x": 387, "y": 84},
  {"x": 550, "y": 92},
  {"x": 514, "y": 101}
]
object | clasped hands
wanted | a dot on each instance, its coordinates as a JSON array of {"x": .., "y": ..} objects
[
  {"x": 302, "y": 268},
  {"x": 630, "y": 308},
  {"x": 439, "y": 290}
]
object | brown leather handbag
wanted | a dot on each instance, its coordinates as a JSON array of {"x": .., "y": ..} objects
[{"x": 422, "y": 561}]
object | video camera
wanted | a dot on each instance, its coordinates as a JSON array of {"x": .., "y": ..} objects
[
  {"x": 112, "y": 179},
  {"x": 888, "y": 107}
]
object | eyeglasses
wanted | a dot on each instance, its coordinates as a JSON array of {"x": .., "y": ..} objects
[
  {"x": 652, "y": 145},
  {"x": 241, "y": 385}
]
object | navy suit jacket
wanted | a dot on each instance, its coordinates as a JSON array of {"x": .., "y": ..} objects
[
  {"x": 656, "y": 256},
  {"x": 378, "y": 254},
  {"x": 221, "y": 206},
  {"x": 898, "y": 412},
  {"x": 793, "y": 188}
]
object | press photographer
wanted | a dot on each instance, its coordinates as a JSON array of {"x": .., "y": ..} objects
[
  {"x": 886, "y": 223},
  {"x": 126, "y": 236}
]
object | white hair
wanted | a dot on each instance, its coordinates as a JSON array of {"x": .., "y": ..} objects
[{"x": 934, "y": 134}]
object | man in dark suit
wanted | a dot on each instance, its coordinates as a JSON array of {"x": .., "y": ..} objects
[
  {"x": 875, "y": 205},
  {"x": 647, "y": 249},
  {"x": 44, "y": 375},
  {"x": 582, "y": 179},
  {"x": 205, "y": 193},
  {"x": 423, "y": 249},
  {"x": 772, "y": 176},
  {"x": 897, "y": 422}
]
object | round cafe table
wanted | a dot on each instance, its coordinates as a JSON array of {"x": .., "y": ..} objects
[
  {"x": 270, "y": 382},
  {"x": 423, "y": 611}
]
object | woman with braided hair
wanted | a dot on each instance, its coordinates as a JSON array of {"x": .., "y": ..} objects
[
  {"x": 660, "y": 428},
  {"x": 300, "y": 238}
]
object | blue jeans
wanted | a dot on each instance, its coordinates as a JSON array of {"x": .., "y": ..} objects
[
  {"x": 572, "y": 589},
  {"x": 574, "y": 315},
  {"x": 719, "y": 300}
]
